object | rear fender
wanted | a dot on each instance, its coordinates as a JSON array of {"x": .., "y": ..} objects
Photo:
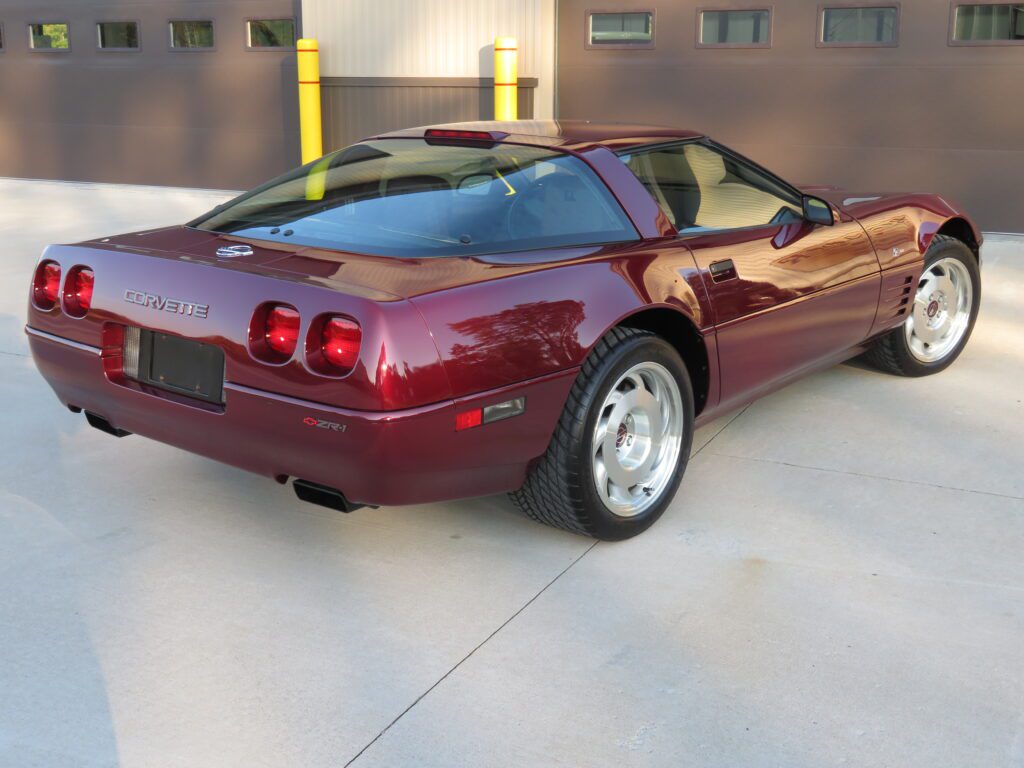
[{"x": 505, "y": 331}]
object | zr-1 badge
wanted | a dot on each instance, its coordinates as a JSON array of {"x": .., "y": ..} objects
[{"x": 334, "y": 426}]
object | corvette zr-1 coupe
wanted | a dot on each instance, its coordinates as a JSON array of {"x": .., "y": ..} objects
[{"x": 547, "y": 309}]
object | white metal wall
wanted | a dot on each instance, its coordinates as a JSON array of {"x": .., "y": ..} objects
[{"x": 433, "y": 38}]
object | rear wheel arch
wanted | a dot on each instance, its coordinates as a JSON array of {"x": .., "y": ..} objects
[
  {"x": 679, "y": 331},
  {"x": 961, "y": 229}
]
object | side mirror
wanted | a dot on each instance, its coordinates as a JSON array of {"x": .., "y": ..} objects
[{"x": 817, "y": 211}]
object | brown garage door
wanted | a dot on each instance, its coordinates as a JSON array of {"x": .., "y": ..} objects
[
  {"x": 874, "y": 96},
  {"x": 211, "y": 110}
]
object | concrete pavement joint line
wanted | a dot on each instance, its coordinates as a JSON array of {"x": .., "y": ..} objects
[
  {"x": 465, "y": 658},
  {"x": 724, "y": 427},
  {"x": 870, "y": 477},
  {"x": 13, "y": 354}
]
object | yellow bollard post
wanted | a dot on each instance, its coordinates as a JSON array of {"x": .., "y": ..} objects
[
  {"x": 506, "y": 79},
  {"x": 310, "y": 128}
]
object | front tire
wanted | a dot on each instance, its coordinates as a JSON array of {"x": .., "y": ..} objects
[
  {"x": 621, "y": 444},
  {"x": 941, "y": 318}
]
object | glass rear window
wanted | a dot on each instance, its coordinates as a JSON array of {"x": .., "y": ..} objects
[{"x": 415, "y": 197}]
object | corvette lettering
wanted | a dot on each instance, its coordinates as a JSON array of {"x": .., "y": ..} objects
[{"x": 163, "y": 304}]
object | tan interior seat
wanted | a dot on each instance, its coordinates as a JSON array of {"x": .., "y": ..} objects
[{"x": 723, "y": 204}]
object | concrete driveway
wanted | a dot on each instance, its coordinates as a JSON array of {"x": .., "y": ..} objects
[{"x": 840, "y": 581}]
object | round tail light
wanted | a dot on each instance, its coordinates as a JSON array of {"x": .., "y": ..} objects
[
  {"x": 339, "y": 344},
  {"x": 281, "y": 331},
  {"x": 78, "y": 291},
  {"x": 46, "y": 285}
]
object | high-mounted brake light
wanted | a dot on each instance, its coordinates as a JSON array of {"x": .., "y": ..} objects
[
  {"x": 446, "y": 133},
  {"x": 339, "y": 343},
  {"x": 46, "y": 285},
  {"x": 281, "y": 331},
  {"x": 78, "y": 291}
]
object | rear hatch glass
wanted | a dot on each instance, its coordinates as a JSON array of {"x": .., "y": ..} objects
[{"x": 416, "y": 198}]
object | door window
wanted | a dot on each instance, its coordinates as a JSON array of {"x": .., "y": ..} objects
[{"x": 700, "y": 188}]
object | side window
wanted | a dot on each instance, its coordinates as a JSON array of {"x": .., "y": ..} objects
[
  {"x": 735, "y": 28},
  {"x": 700, "y": 189},
  {"x": 117, "y": 35},
  {"x": 629, "y": 30},
  {"x": 189, "y": 35},
  {"x": 270, "y": 33},
  {"x": 859, "y": 26},
  {"x": 980, "y": 23},
  {"x": 49, "y": 37}
]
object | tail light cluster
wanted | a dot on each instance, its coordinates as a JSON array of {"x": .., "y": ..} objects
[
  {"x": 78, "y": 286},
  {"x": 332, "y": 341},
  {"x": 78, "y": 291}
]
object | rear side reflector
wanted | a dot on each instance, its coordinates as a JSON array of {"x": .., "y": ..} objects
[
  {"x": 78, "y": 291},
  {"x": 469, "y": 419},
  {"x": 490, "y": 414},
  {"x": 46, "y": 285}
]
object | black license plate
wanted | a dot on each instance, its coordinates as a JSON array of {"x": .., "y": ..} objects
[{"x": 181, "y": 365}]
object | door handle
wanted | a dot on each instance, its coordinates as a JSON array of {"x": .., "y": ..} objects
[{"x": 722, "y": 271}]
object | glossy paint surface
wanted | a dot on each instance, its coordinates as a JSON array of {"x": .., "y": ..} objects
[{"x": 440, "y": 333}]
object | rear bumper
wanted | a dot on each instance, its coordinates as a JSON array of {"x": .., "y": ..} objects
[{"x": 396, "y": 457}]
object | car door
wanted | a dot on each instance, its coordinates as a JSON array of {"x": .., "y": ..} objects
[{"x": 787, "y": 294}]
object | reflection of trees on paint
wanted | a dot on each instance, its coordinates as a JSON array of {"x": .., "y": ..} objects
[{"x": 527, "y": 339}]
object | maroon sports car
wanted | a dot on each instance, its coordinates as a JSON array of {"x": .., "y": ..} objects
[{"x": 545, "y": 309}]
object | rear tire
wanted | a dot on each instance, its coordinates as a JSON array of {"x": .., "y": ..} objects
[
  {"x": 941, "y": 318},
  {"x": 621, "y": 444}
]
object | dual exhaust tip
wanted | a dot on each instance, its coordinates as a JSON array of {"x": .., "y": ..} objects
[{"x": 306, "y": 490}]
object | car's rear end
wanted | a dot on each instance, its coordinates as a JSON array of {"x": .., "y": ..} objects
[
  {"x": 263, "y": 359},
  {"x": 281, "y": 331}
]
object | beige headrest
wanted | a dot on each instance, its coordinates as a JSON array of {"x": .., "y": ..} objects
[{"x": 708, "y": 167}]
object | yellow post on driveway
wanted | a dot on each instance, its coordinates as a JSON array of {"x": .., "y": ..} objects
[
  {"x": 310, "y": 127},
  {"x": 506, "y": 79}
]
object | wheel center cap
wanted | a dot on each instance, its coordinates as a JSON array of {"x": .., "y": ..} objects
[
  {"x": 933, "y": 308},
  {"x": 624, "y": 434}
]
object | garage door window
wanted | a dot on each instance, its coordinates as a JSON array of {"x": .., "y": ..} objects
[
  {"x": 702, "y": 189},
  {"x": 991, "y": 23},
  {"x": 876, "y": 26},
  {"x": 734, "y": 29},
  {"x": 620, "y": 30},
  {"x": 265, "y": 34},
  {"x": 191, "y": 35},
  {"x": 49, "y": 37},
  {"x": 117, "y": 35}
]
